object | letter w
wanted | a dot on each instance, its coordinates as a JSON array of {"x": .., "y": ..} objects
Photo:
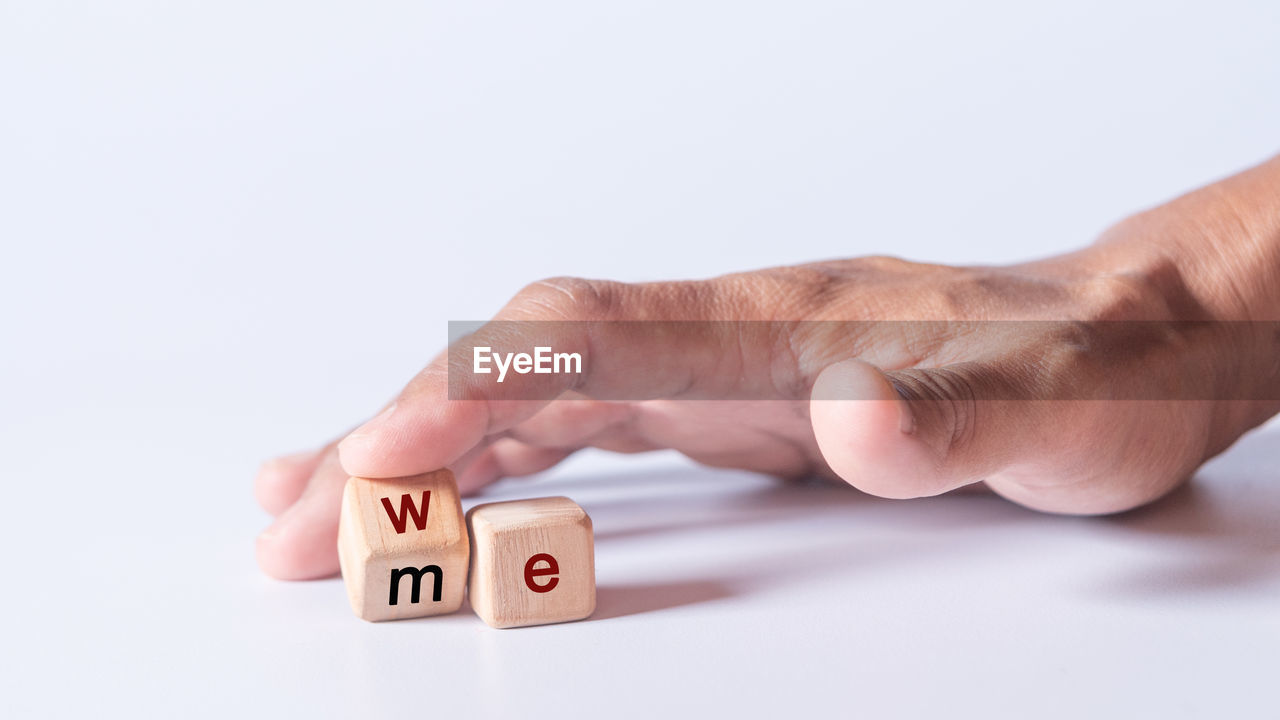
[{"x": 398, "y": 520}]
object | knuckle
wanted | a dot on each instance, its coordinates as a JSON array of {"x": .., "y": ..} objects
[
  {"x": 1129, "y": 296},
  {"x": 784, "y": 293},
  {"x": 885, "y": 264},
  {"x": 567, "y": 298},
  {"x": 803, "y": 289}
]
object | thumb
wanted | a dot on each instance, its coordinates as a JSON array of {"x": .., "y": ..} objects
[{"x": 918, "y": 432}]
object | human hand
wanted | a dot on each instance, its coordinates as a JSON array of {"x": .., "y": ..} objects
[{"x": 1089, "y": 409}]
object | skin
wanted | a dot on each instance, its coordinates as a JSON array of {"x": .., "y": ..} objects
[{"x": 894, "y": 410}]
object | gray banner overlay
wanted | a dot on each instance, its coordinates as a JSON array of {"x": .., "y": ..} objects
[{"x": 1030, "y": 360}]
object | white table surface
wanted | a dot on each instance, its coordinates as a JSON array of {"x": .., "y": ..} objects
[{"x": 233, "y": 229}]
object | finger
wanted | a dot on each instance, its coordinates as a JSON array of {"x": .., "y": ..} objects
[
  {"x": 302, "y": 543},
  {"x": 507, "y": 457},
  {"x": 426, "y": 429},
  {"x": 281, "y": 481},
  {"x": 555, "y": 432},
  {"x": 767, "y": 436},
  {"x": 571, "y": 421},
  {"x": 581, "y": 422},
  {"x": 916, "y": 433},
  {"x": 757, "y": 436}
]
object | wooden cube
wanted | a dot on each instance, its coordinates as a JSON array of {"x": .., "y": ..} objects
[
  {"x": 533, "y": 562},
  {"x": 402, "y": 545}
]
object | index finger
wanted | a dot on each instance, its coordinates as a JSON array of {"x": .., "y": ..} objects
[{"x": 634, "y": 342}]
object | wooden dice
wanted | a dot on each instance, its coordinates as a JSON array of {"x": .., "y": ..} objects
[
  {"x": 402, "y": 545},
  {"x": 533, "y": 562}
]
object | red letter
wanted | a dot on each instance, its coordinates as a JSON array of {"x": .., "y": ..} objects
[
  {"x": 407, "y": 507},
  {"x": 530, "y": 573}
]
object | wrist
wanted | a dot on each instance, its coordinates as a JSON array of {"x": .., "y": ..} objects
[
  {"x": 1214, "y": 255},
  {"x": 1214, "y": 252}
]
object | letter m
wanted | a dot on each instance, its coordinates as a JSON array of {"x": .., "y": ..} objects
[
  {"x": 416, "y": 574},
  {"x": 407, "y": 508}
]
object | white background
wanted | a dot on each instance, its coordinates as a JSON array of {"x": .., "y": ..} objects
[{"x": 233, "y": 229}]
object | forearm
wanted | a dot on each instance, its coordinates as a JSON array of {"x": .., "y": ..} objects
[
  {"x": 1222, "y": 242},
  {"x": 1211, "y": 257},
  {"x": 1217, "y": 254}
]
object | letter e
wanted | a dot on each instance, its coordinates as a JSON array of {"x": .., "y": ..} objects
[{"x": 530, "y": 572}]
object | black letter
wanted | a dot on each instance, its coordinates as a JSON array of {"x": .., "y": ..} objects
[{"x": 417, "y": 582}]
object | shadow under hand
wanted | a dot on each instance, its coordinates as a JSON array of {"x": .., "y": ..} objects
[
  {"x": 719, "y": 528},
  {"x": 1218, "y": 534},
  {"x": 1224, "y": 525}
]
